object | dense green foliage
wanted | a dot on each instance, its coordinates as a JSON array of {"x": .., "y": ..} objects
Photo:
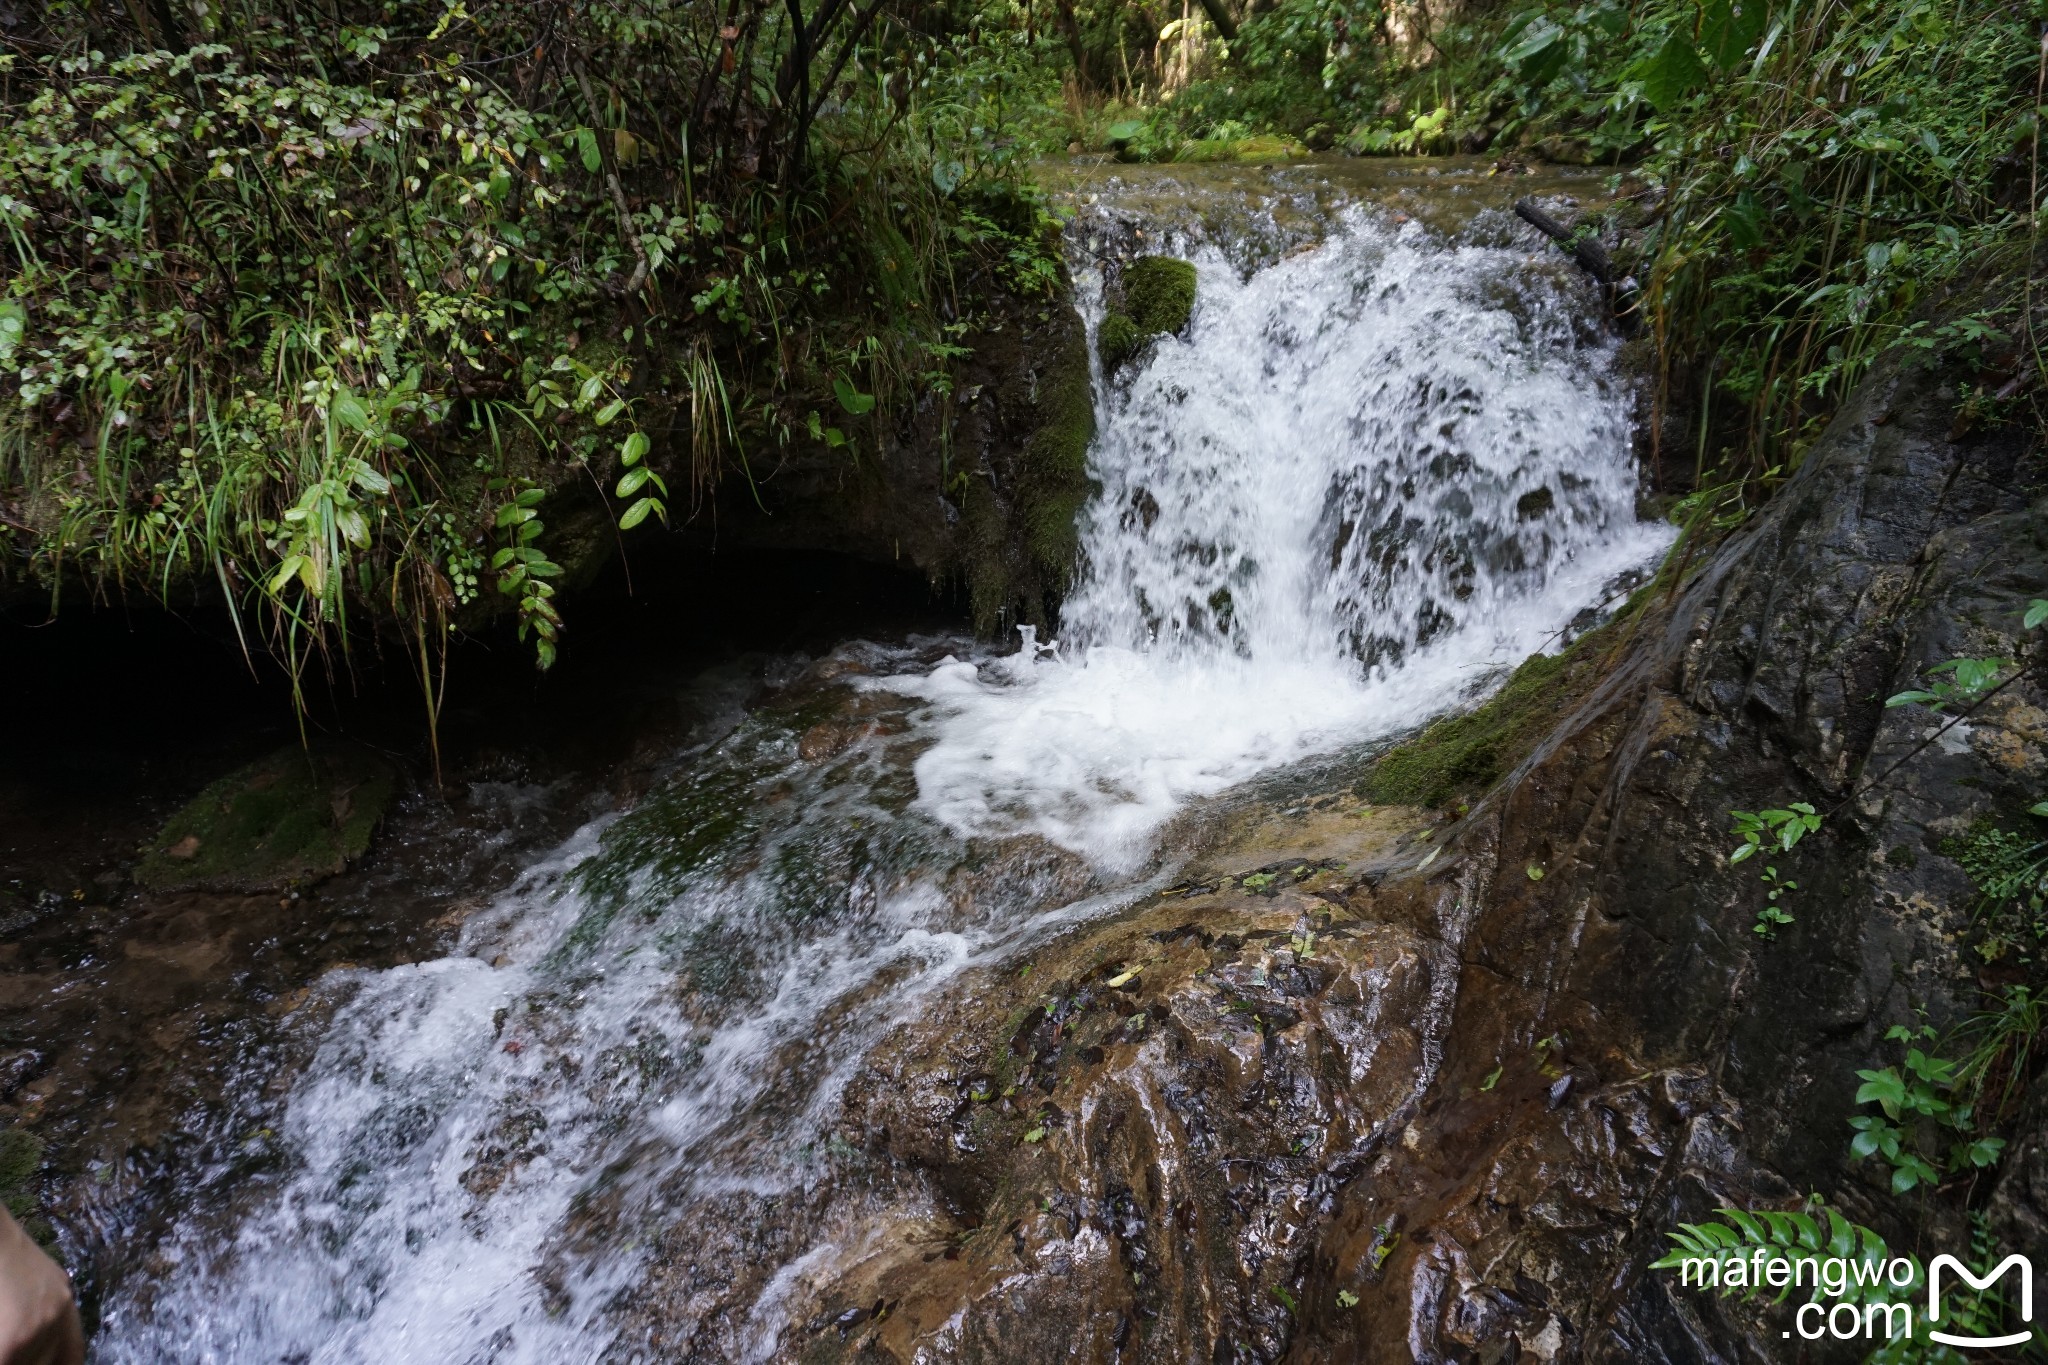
[
  {"x": 326, "y": 302},
  {"x": 1801, "y": 178}
]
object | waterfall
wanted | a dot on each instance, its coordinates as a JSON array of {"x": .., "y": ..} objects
[
  {"x": 1373, "y": 474},
  {"x": 1370, "y": 478}
]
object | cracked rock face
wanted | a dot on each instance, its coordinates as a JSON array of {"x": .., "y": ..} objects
[{"x": 1343, "y": 1098}]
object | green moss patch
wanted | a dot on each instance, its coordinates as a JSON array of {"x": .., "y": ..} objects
[
  {"x": 1265, "y": 148},
  {"x": 1159, "y": 293},
  {"x": 1159, "y": 297},
  {"x": 21, "y": 1156},
  {"x": 1465, "y": 754},
  {"x": 291, "y": 816}
]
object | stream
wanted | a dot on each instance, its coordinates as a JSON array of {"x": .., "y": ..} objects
[{"x": 1390, "y": 459}]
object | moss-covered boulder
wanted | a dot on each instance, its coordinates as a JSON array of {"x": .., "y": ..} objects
[
  {"x": 21, "y": 1156},
  {"x": 1158, "y": 299},
  {"x": 1260, "y": 150},
  {"x": 293, "y": 816}
]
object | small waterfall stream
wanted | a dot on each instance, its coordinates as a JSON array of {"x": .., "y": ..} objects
[{"x": 1377, "y": 472}]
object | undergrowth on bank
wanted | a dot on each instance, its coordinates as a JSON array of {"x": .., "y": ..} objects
[{"x": 332, "y": 305}]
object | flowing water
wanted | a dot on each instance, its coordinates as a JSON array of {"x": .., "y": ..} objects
[{"x": 1388, "y": 461}]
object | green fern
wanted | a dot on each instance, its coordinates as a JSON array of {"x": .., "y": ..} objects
[{"x": 1788, "y": 1238}]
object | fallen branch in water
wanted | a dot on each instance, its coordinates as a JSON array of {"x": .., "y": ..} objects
[{"x": 1583, "y": 247}]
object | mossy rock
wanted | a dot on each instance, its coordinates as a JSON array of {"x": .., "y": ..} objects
[
  {"x": 1159, "y": 297},
  {"x": 1463, "y": 755},
  {"x": 293, "y": 816},
  {"x": 21, "y": 1153},
  {"x": 1118, "y": 339},
  {"x": 21, "y": 1156},
  {"x": 1254, "y": 150}
]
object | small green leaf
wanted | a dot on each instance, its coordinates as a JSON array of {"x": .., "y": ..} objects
[
  {"x": 852, "y": 399},
  {"x": 1035, "y": 1135},
  {"x": 586, "y": 143},
  {"x": 1346, "y": 1299},
  {"x": 610, "y": 410},
  {"x": 2037, "y": 610},
  {"x": 631, "y": 481},
  {"x": 1492, "y": 1079},
  {"x": 639, "y": 511},
  {"x": 1535, "y": 872},
  {"x": 632, "y": 448},
  {"x": 13, "y": 325},
  {"x": 350, "y": 412}
]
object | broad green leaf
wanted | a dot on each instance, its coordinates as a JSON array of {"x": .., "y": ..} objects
[
  {"x": 633, "y": 448},
  {"x": 586, "y": 143},
  {"x": 1539, "y": 53},
  {"x": 1745, "y": 219},
  {"x": 2037, "y": 610},
  {"x": 1124, "y": 130},
  {"x": 609, "y": 411},
  {"x": 638, "y": 513},
  {"x": 631, "y": 481},
  {"x": 1537, "y": 37},
  {"x": 1670, "y": 73},
  {"x": 1729, "y": 29},
  {"x": 367, "y": 477}
]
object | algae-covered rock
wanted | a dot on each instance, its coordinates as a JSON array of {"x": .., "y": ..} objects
[
  {"x": 291, "y": 816},
  {"x": 1244, "y": 150},
  {"x": 1158, "y": 298},
  {"x": 21, "y": 1156}
]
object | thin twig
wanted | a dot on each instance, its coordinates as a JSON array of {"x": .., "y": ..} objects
[{"x": 611, "y": 179}]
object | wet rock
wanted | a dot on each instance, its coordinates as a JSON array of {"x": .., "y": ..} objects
[
  {"x": 1136, "y": 1168},
  {"x": 292, "y": 817},
  {"x": 1158, "y": 297},
  {"x": 1458, "y": 1124}
]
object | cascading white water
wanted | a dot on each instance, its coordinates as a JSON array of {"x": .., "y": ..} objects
[{"x": 1373, "y": 475}]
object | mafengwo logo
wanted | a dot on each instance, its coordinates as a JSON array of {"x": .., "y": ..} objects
[
  {"x": 1864, "y": 1293},
  {"x": 1987, "y": 1283}
]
